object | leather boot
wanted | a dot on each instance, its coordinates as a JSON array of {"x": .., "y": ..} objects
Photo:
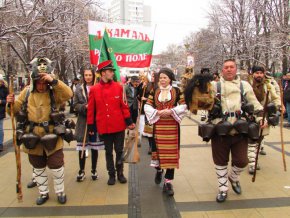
[
  {"x": 112, "y": 179},
  {"x": 121, "y": 177}
]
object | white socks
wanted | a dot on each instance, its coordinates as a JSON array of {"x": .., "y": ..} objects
[
  {"x": 58, "y": 179},
  {"x": 222, "y": 174},
  {"x": 252, "y": 152},
  {"x": 235, "y": 173},
  {"x": 41, "y": 180}
]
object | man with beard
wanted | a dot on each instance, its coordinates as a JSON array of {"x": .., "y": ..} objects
[{"x": 260, "y": 86}]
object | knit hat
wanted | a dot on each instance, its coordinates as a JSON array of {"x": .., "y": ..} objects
[{"x": 258, "y": 68}]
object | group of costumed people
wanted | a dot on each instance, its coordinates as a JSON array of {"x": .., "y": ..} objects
[
  {"x": 235, "y": 119},
  {"x": 239, "y": 116}
]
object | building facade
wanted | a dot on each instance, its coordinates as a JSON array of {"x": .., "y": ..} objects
[{"x": 130, "y": 12}]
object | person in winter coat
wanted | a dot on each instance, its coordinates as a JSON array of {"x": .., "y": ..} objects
[
  {"x": 107, "y": 108},
  {"x": 80, "y": 104}
]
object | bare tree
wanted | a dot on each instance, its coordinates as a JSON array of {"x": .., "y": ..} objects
[
  {"x": 252, "y": 31},
  {"x": 52, "y": 28}
]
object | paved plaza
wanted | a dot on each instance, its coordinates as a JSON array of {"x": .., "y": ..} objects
[{"x": 195, "y": 185}]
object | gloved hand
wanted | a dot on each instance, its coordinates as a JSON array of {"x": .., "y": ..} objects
[{"x": 91, "y": 129}]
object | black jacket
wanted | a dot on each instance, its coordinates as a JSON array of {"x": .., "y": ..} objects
[{"x": 3, "y": 95}]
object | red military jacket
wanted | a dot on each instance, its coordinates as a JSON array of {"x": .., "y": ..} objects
[{"x": 107, "y": 108}]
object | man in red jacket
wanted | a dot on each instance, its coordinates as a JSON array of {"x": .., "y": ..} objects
[{"x": 111, "y": 115}]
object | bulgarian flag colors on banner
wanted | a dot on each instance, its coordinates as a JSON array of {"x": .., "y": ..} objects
[{"x": 132, "y": 45}]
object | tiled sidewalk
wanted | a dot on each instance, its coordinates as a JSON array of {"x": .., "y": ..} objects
[{"x": 195, "y": 186}]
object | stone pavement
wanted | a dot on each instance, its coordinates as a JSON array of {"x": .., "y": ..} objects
[{"x": 195, "y": 185}]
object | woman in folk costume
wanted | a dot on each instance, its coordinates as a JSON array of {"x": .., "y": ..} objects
[
  {"x": 80, "y": 104},
  {"x": 165, "y": 108}
]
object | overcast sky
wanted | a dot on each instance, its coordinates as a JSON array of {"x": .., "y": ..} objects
[{"x": 175, "y": 19}]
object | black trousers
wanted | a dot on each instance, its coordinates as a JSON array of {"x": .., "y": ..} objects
[
  {"x": 114, "y": 141},
  {"x": 82, "y": 161}
]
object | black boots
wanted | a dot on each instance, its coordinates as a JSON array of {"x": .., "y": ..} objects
[
  {"x": 121, "y": 177},
  {"x": 168, "y": 188},
  {"x": 112, "y": 179}
]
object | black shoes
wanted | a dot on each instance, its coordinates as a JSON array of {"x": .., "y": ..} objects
[
  {"x": 1, "y": 148},
  {"x": 112, "y": 180},
  {"x": 31, "y": 184},
  {"x": 122, "y": 178},
  {"x": 95, "y": 175},
  {"x": 221, "y": 196},
  {"x": 168, "y": 188},
  {"x": 81, "y": 176},
  {"x": 42, "y": 199},
  {"x": 158, "y": 176},
  {"x": 61, "y": 198},
  {"x": 236, "y": 186}
]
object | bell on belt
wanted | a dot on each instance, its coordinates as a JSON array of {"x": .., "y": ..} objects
[
  {"x": 254, "y": 131},
  {"x": 30, "y": 140},
  {"x": 223, "y": 128},
  {"x": 241, "y": 126},
  {"x": 49, "y": 141},
  {"x": 206, "y": 131}
]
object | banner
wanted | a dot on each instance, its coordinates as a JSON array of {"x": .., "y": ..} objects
[{"x": 132, "y": 45}]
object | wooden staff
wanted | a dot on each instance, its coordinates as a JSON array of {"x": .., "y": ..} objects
[
  {"x": 136, "y": 155},
  {"x": 84, "y": 142},
  {"x": 86, "y": 128},
  {"x": 16, "y": 148},
  {"x": 261, "y": 136},
  {"x": 281, "y": 127}
]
